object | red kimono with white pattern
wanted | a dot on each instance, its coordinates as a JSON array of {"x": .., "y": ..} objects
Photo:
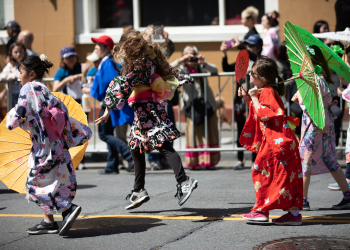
[{"x": 277, "y": 173}]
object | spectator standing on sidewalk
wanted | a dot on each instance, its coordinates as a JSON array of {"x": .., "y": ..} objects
[
  {"x": 193, "y": 62},
  {"x": 271, "y": 38},
  {"x": 13, "y": 30},
  {"x": 10, "y": 72},
  {"x": 26, "y": 37},
  {"x": 107, "y": 70}
]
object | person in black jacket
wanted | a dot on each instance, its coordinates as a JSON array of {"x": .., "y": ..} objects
[
  {"x": 254, "y": 45},
  {"x": 342, "y": 10},
  {"x": 249, "y": 18}
]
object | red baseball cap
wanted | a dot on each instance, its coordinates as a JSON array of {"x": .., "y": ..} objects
[{"x": 104, "y": 40}]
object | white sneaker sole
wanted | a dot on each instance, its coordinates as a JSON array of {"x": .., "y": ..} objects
[
  {"x": 137, "y": 204},
  {"x": 43, "y": 232},
  {"x": 288, "y": 223},
  {"x": 193, "y": 187},
  {"x": 256, "y": 219},
  {"x": 334, "y": 189},
  {"x": 70, "y": 221}
]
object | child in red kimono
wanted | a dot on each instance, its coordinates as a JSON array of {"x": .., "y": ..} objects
[{"x": 277, "y": 173}]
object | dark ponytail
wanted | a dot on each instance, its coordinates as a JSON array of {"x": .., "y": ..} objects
[
  {"x": 273, "y": 18},
  {"x": 317, "y": 58},
  {"x": 37, "y": 65}
]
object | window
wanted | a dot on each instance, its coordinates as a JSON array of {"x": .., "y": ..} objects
[
  {"x": 184, "y": 20},
  {"x": 6, "y": 15},
  {"x": 234, "y": 9},
  {"x": 115, "y": 13},
  {"x": 179, "y": 13}
]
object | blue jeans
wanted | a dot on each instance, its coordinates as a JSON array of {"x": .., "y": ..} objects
[{"x": 114, "y": 144}]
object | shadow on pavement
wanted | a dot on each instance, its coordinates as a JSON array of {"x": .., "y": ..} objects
[
  {"x": 85, "y": 186},
  {"x": 205, "y": 212},
  {"x": 7, "y": 191},
  {"x": 331, "y": 209},
  {"x": 109, "y": 226},
  {"x": 2, "y": 208}
]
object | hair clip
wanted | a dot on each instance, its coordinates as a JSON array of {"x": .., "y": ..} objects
[
  {"x": 43, "y": 57},
  {"x": 312, "y": 51}
]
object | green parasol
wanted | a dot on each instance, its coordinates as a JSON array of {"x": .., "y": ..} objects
[
  {"x": 333, "y": 59},
  {"x": 304, "y": 75}
]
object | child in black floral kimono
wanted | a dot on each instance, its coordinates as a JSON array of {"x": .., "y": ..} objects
[{"x": 147, "y": 81}]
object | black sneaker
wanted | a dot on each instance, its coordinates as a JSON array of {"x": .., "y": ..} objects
[
  {"x": 184, "y": 190},
  {"x": 44, "y": 228},
  {"x": 306, "y": 206},
  {"x": 107, "y": 172},
  {"x": 69, "y": 217},
  {"x": 131, "y": 166},
  {"x": 343, "y": 204},
  {"x": 136, "y": 199}
]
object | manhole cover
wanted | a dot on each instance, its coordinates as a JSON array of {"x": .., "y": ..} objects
[{"x": 307, "y": 242}]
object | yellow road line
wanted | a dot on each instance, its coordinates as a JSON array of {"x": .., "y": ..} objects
[
  {"x": 305, "y": 221},
  {"x": 234, "y": 217},
  {"x": 304, "y": 217}
]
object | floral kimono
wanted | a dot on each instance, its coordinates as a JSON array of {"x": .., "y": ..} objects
[
  {"x": 151, "y": 126},
  {"x": 317, "y": 147},
  {"x": 346, "y": 97},
  {"x": 51, "y": 182},
  {"x": 277, "y": 174}
]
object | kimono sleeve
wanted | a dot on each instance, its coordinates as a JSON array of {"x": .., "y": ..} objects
[
  {"x": 346, "y": 95},
  {"x": 22, "y": 113},
  {"x": 118, "y": 93},
  {"x": 270, "y": 108},
  {"x": 184, "y": 79},
  {"x": 77, "y": 133}
]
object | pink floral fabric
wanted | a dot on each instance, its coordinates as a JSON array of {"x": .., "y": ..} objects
[
  {"x": 317, "y": 147},
  {"x": 51, "y": 182}
]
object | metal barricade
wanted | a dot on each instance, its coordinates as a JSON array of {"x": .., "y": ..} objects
[{"x": 179, "y": 145}]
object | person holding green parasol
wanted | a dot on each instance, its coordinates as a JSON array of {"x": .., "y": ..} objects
[
  {"x": 310, "y": 62},
  {"x": 317, "y": 146}
]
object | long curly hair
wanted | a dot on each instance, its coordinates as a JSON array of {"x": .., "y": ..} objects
[{"x": 135, "y": 46}]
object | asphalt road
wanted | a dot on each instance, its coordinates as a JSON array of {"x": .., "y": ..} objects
[{"x": 210, "y": 219}]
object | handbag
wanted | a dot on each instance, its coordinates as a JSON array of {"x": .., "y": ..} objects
[{"x": 199, "y": 106}]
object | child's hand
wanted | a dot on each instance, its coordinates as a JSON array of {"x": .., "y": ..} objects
[
  {"x": 254, "y": 92},
  {"x": 243, "y": 94},
  {"x": 104, "y": 117},
  {"x": 295, "y": 98},
  {"x": 340, "y": 91}
]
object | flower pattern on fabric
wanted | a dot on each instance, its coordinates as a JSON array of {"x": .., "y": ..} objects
[
  {"x": 317, "y": 148},
  {"x": 151, "y": 126},
  {"x": 51, "y": 182},
  {"x": 277, "y": 163}
]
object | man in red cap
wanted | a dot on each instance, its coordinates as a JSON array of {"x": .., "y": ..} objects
[{"x": 106, "y": 71}]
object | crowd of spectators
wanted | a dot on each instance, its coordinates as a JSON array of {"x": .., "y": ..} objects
[{"x": 73, "y": 76}]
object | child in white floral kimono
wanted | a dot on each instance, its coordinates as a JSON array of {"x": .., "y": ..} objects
[
  {"x": 51, "y": 182},
  {"x": 147, "y": 81}
]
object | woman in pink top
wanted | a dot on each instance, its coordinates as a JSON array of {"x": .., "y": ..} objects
[{"x": 271, "y": 38}]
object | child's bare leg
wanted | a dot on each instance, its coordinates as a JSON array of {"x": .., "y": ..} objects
[
  {"x": 49, "y": 218},
  {"x": 306, "y": 184},
  {"x": 339, "y": 177}
]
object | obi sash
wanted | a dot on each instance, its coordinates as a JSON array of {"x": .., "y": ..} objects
[
  {"x": 161, "y": 88},
  {"x": 54, "y": 124}
]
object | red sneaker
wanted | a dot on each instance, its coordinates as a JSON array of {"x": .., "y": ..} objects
[
  {"x": 288, "y": 219},
  {"x": 257, "y": 216}
]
